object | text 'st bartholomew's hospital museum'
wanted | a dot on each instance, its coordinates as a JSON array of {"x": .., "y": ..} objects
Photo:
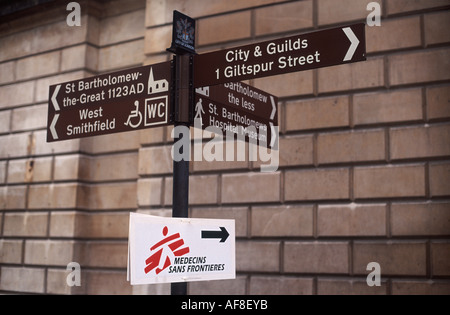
[{"x": 351, "y": 197}]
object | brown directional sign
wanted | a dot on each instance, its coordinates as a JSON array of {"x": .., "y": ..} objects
[
  {"x": 239, "y": 109},
  {"x": 127, "y": 100},
  {"x": 291, "y": 54}
]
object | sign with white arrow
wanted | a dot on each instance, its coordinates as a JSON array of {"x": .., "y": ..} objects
[
  {"x": 240, "y": 109},
  {"x": 291, "y": 54},
  {"x": 164, "y": 250},
  {"x": 126, "y": 100}
]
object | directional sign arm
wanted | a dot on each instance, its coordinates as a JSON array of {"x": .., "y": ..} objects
[
  {"x": 222, "y": 234},
  {"x": 301, "y": 52},
  {"x": 354, "y": 43}
]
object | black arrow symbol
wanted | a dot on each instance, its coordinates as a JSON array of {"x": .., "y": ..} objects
[{"x": 222, "y": 234}]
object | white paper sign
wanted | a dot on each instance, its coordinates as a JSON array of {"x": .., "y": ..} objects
[{"x": 164, "y": 250}]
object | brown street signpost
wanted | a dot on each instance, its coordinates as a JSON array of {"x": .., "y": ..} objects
[
  {"x": 234, "y": 107},
  {"x": 127, "y": 100},
  {"x": 291, "y": 54},
  {"x": 162, "y": 94}
]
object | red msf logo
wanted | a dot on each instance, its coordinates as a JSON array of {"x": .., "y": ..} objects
[{"x": 168, "y": 248}]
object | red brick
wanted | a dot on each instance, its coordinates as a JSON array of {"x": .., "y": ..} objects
[
  {"x": 351, "y": 220},
  {"x": 110, "y": 167},
  {"x": 20, "y": 279},
  {"x": 158, "y": 39},
  {"x": 106, "y": 282},
  {"x": 440, "y": 179},
  {"x": 394, "y": 34},
  {"x": 39, "y": 65},
  {"x": 419, "y": 67},
  {"x": 223, "y": 287},
  {"x": 332, "y": 11},
  {"x": 349, "y": 287},
  {"x": 440, "y": 259},
  {"x": 230, "y": 27},
  {"x": 265, "y": 285},
  {"x": 251, "y": 187},
  {"x": 284, "y": 17},
  {"x": 296, "y": 150},
  {"x": 416, "y": 142},
  {"x": 102, "y": 254},
  {"x": 316, "y": 257},
  {"x": 52, "y": 196},
  {"x": 257, "y": 256},
  {"x": 420, "y": 287},
  {"x": 317, "y": 184},
  {"x": 360, "y": 75},
  {"x": 11, "y": 251},
  {"x": 161, "y": 12},
  {"x": 107, "y": 196},
  {"x": 282, "y": 221},
  {"x": 17, "y": 94},
  {"x": 287, "y": 85},
  {"x": 102, "y": 225},
  {"x": 351, "y": 147},
  {"x": 403, "y": 6},
  {"x": 121, "y": 55},
  {"x": 435, "y": 26},
  {"x": 414, "y": 219},
  {"x": 149, "y": 191},
  {"x": 317, "y": 113},
  {"x": 438, "y": 102},
  {"x": 50, "y": 253},
  {"x": 395, "y": 106},
  {"x": 112, "y": 143},
  {"x": 155, "y": 160},
  {"x": 395, "y": 258},
  {"x": 25, "y": 224}
]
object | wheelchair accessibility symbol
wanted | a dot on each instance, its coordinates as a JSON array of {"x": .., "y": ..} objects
[
  {"x": 134, "y": 114},
  {"x": 155, "y": 113}
]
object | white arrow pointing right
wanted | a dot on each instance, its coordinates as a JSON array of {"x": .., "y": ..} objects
[
  {"x": 274, "y": 108},
  {"x": 354, "y": 43},
  {"x": 274, "y": 135},
  {"x": 55, "y": 94},
  {"x": 52, "y": 127}
]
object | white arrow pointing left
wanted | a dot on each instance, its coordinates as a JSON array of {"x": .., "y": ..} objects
[
  {"x": 52, "y": 127},
  {"x": 55, "y": 94},
  {"x": 354, "y": 43}
]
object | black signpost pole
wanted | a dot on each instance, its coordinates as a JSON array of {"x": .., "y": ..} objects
[
  {"x": 180, "y": 197},
  {"x": 183, "y": 47}
]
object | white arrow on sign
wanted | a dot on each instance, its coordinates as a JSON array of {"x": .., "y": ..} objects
[
  {"x": 274, "y": 107},
  {"x": 55, "y": 94},
  {"x": 354, "y": 43},
  {"x": 52, "y": 127},
  {"x": 274, "y": 135}
]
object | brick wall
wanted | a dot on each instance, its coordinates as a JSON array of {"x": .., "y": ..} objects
[{"x": 364, "y": 156}]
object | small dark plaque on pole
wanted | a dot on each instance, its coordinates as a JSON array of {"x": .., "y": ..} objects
[{"x": 183, "y": 34}]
